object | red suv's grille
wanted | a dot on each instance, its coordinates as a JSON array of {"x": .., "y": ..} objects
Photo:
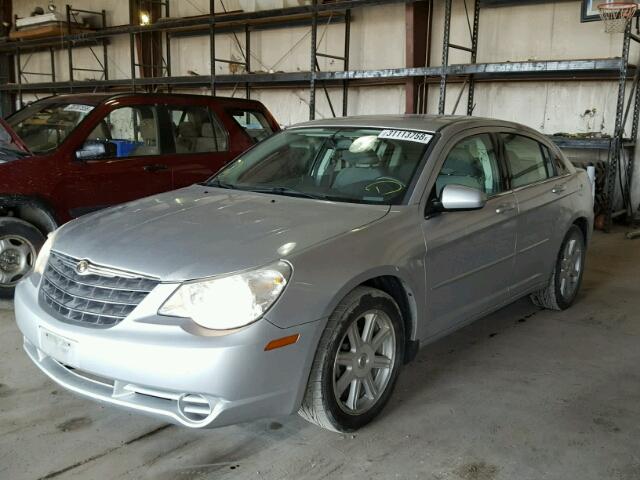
[{"x": 100, "y": 297}]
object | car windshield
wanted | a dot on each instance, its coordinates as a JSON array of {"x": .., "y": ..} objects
[
  {"x": 43, "y": 126},
  {"x": 360, "y": 165}
]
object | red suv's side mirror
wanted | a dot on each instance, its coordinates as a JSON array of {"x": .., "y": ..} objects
[{"x": 93, "y": 149}]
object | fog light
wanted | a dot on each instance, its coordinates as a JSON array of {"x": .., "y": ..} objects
[{"x": 193, "y": 407}]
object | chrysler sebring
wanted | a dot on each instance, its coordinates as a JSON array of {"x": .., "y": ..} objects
[{"x": 304, "y": 275}]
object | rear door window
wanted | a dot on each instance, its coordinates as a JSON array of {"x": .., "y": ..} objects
[
  {"x": 528, "y": 162},
  {"x": 196, "y": 129},
  {"x": 556, "y": 160},
  {"x": 253, "y": 122}
]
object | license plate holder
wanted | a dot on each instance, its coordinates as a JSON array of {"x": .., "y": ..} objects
[{"x": 58, "y": 347}]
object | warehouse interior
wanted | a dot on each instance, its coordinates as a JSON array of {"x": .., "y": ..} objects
[{"x": 521, "y": 393}]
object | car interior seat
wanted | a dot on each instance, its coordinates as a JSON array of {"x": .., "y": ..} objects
[
  {"x": 461, "y": 168},
  {"x": 401, "y": 167},
  {"x": 187, "y": 137},
  {"x": 149, "y": 138},
  {"x": 524, "y": 170},
  {"x": 206, "y": 142},
  {"x": 362, "y": 166}
]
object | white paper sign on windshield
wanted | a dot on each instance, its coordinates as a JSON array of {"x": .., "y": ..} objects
[
  {"x": 79, "y": 108},
  {"x": 407, "y": 135}
]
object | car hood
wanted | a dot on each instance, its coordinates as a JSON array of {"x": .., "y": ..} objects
[{"x": 199, "y": 231}]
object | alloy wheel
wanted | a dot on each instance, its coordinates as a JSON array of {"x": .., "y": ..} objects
[
  {"x": 364, "y": 362},
  {"x": 570, "y": 267},
  {"x": 17, "y": 257}
]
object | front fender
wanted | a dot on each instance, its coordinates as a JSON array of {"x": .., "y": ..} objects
[{"x": 325, "y": 274}]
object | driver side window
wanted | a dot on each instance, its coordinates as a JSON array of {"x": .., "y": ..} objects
[
  {"x": 128, "y": 132},
  {"x": 472, "y": 163}
]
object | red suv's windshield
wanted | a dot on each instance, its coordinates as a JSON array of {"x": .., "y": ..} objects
[
  {"x": 10, "y": 146},
  {"x": 44, "y": 126}
]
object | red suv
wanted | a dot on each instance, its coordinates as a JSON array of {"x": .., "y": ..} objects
[{"x": 68, "y": 155}]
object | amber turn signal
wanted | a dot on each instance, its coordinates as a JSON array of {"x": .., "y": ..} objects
[{"x": 281, "y": 342}]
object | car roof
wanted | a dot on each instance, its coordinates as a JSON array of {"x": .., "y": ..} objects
[
  {"x": 430, "y": 123},
  {"x": 98, "y": 98}
]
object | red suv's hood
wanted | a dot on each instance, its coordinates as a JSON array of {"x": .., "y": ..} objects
[{"x": 11, "y": 138}]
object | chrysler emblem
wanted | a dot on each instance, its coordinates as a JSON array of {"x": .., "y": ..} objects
[{"x": 82, "y": 267}]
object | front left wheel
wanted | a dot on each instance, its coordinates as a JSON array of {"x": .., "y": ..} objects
[
  {"x": 19, "y": 244},
  {"x": 357, "y": 362}
]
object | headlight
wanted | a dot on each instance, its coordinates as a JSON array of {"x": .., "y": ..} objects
[
  {"x": 43, "y": 254},
  {"x": 229, "y": 302}
]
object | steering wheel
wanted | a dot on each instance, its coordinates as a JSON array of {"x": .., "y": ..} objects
[{"x": 386, "y": 186}]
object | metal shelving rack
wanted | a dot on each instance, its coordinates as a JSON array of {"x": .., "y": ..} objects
[
  {"x": 473, "y": 50},
  {"x": 471, "y": 73},
  {"x": 211, "y": 25},
  {"x": 618, "y": 146},
  {"x": 21, "y": 48},
  {"x": 283, "y": 18}
]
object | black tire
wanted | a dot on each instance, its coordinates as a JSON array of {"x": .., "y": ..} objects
[
  {"x": 320, "y": 404},
  {"x": 552, "y": 296},
  {"x": 15, "y": 228}
]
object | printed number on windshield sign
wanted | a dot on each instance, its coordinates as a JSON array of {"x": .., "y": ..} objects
[{"x": 408, "y": 135}]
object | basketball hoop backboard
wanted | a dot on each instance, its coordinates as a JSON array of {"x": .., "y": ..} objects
[{"x": 590, "y": 11}]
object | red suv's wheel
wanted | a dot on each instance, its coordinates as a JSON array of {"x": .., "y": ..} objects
[{"x": 19, "y": 244}]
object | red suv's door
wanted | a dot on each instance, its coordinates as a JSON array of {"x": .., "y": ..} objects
[
  {"x": 122, "y": 160},
  {"x": 201, "y": 143}
]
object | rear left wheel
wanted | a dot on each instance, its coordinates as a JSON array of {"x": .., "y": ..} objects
[
  {"x": 19, "y": 245},
  {"x": 563, "y": 286},
  {"x": 357, "y": 362}
]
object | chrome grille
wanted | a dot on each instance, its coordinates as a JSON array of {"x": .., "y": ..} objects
[{"x": 100, "y": 298}]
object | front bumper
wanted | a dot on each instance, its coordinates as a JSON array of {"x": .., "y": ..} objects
[{"x": 150, "y": 364}]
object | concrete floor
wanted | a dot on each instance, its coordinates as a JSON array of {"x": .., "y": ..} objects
[{"x": 522, "y": 394}]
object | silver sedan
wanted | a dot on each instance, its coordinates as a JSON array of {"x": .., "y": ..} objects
[{"x": 306, "y": 273}]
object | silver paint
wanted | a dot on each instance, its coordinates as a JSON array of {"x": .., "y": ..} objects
[{"x": 455, "y": 267}]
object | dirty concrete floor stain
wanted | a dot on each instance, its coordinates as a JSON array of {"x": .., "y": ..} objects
[
  {"x": 74, "y": 424},
  {"x": 522, "y": 394},
  {"x": 477, "y": 471}
]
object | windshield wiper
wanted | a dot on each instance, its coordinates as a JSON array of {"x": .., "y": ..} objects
[
  {"x": 217, "y": 183},
  {"x": 287, "y": 191}
]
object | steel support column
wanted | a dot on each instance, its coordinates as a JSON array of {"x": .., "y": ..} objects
[
  {"x": 617, "y": 141},
  {"x": 312, "y": 67},
  {"x": 247, "y": 57},
  {"x": 445, "y": 57},
  {"x": 347, "y": 44},
  {"x": 7, "y": 68},
  {"x": 417, "y": 21},
  {"x": 474, "y": 55},
  {"x": 212, "y": 45}
]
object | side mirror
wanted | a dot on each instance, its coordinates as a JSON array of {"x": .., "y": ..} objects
[
  {"x": 460, "y": 197},
  {"x": 93, "y": 149}
]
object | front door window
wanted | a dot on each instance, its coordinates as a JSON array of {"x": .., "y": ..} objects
[
  {"x": 472, "y": 163},
  {"x": 128, "y": 132}
]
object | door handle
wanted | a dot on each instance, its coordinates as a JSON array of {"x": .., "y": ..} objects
[
  {"x": 156, "y": 167},
  {"x": 558, "y": 189},
  {"x": 507, "y": 207}
]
